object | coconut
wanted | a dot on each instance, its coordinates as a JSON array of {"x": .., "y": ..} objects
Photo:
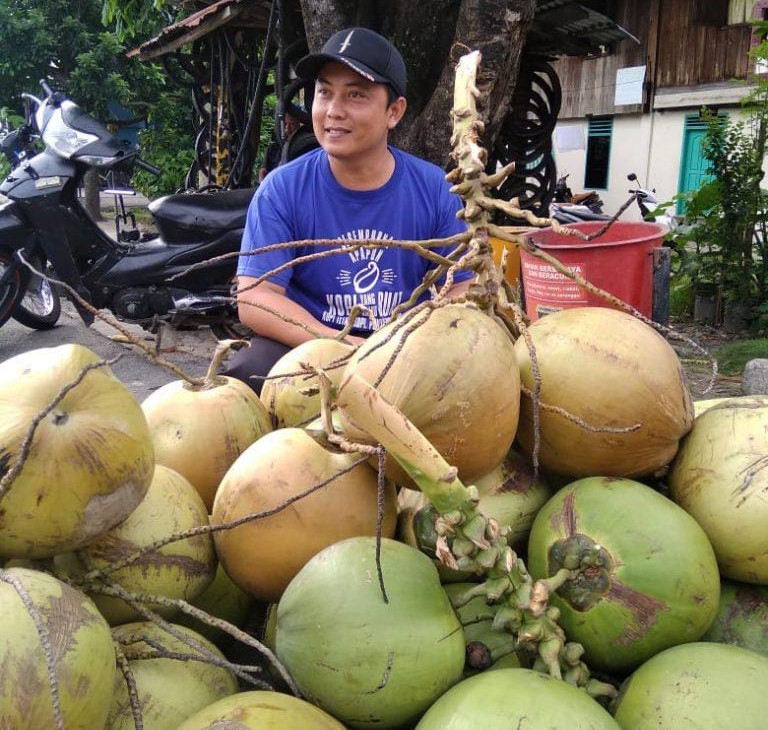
[
  {"x": 742, "y": 617},
  {"x": 720, "y": 478},
  {"x": 81, "y": 651},
  {"x": 181, "y": 569},
  {"x": 610, "y": 371},
  {"x": 199, "y": 431},
  {"x": 169, "y": 688},
  {"x": 260, "y": 710},
  {"x": 696, "y": 685},
  {"x": 263, "y": 555},
  {"x": 370, "y": 663},
  {"x": 222, "y": 599},
  {"x": 90, "y": 460},
  {"x": 293, "y": 399},
  {"x": 645, "y": 574},
  {"x": 515, "y": 698},
  {"x": 454, "y": 376}
]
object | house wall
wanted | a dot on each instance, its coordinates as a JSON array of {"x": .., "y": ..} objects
[
  {"x": 688, "y": 65},
  {"x": 650, "y": 145}
]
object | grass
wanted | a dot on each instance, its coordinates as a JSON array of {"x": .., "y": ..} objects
[{"x": 733, "y": 356}]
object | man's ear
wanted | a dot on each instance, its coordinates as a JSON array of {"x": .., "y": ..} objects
[{"x": 395, "y": 112}]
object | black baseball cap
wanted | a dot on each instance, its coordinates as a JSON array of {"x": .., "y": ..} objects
[{"x": 365, "y": 52}]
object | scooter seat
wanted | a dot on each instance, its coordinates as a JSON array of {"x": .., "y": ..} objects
[{"x": 184, "y": 217}]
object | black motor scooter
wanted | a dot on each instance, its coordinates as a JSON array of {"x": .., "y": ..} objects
[{"x": 43, "y": 222}]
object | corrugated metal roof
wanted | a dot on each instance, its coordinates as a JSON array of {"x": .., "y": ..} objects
[
  {"x": 251, "y": 13},
  {"x": 565, "y": 27},
  {"x": 561, "y": 27}
]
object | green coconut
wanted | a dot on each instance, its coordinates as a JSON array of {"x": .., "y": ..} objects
[
  {"x": 515, "y": 698},
  {"x": 720, "y": 478},
  {"x": 293, "y": 399},
  {"x": 647, "y": 576},
  {"x": 742, "y": 617},
  {"x": 90, "y": 460},
  {"x": 169, "y": 689},
  {"x": 261, "y": 710},
  {"x": 694, "y": 686},
  {"x": 182, "y": 569},
  {"x": 370, "y": 663},
  {"x": 81, "y": 649}
]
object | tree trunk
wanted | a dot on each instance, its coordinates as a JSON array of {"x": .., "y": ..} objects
[
  {"x": 91, "y": 198},
  {"x": 431, "y": 37}
]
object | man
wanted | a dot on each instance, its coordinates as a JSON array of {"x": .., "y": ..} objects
[
  {"x": 354, "y": 187},
  {"x": 273, "y": 153}
]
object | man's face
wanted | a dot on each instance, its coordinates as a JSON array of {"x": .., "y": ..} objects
[{"x": 351, "y": 116}]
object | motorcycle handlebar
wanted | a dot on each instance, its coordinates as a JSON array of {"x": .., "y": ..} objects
[
  {"x": 47, "y": 89},
  {"x": 146, "y": 166}
]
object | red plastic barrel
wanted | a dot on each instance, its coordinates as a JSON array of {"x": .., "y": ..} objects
[{"x": 620, "y": 262}]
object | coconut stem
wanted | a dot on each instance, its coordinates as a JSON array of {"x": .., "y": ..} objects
[
  {"x": 371, "y": 412},
  {"x": 138, "y": 602},
  {"x": 223, "y": 348},
  {"x": 130, "y": 682}
]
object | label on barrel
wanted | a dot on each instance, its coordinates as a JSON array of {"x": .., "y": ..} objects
[{"x": 544, "y": 284}]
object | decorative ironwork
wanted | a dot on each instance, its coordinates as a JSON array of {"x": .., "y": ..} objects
[{"x": 526, "y": 137}]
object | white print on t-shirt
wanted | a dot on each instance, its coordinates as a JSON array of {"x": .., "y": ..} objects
[{"x": 363, "y": 276}]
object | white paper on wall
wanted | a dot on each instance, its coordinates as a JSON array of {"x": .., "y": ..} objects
[
  {"x": 569, "y": 137},
  {"x": 629, "y": 85}
]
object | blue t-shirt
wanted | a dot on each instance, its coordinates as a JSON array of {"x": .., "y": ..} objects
[{"x": 302, "y": 200}]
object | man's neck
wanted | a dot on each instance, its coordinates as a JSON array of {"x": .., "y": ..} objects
[{"x": 364, "y": 174}]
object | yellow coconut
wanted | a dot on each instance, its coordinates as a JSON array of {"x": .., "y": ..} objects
[
  {"x": 619, "y": 378},
  {"x": 182, "y": 569},
  {"x": 720, "y": 478},
  {"x": 454, "y": 376},
  {"x": 90, "y": 459},
  {"x": 170, "y": 688},
  {"x": 263, "y": 555},
  {"x": 293, "y": 399},
  {"x": 259, "y": 710},
  {"x": 81, "y": 651},
  {"x": 199, "y": 431}
]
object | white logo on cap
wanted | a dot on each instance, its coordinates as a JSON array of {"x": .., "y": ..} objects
[{"x": 346, "y": 42}]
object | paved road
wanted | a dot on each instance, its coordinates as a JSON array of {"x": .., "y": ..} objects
[{"x": 189, "y": 350}]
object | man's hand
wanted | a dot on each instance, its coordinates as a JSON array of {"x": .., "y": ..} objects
[{"x": 260, "y": 308}]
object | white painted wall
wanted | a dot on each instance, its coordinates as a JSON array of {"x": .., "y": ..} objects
[{"x": 649, "y": 145}]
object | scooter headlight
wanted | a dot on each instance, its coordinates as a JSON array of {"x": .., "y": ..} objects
[{"x": 64, "y": 140}]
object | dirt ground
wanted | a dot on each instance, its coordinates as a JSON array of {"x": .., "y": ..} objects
[{"x": 697, "y": 368}]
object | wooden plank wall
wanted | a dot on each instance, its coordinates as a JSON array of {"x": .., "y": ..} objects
[
  {"x": 690, "y": 55},
  {"x": 686, "y": 55},
  {"x": 589, "y": 84}
]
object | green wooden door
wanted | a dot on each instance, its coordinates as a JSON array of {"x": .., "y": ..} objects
[{"x": 694, "y": 168}]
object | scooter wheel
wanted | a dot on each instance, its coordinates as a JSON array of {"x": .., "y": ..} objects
[
  {"x": 11, "y": 290},
  {"x": 40, "y": 307}
]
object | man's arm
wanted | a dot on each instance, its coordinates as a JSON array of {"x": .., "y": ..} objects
[{"x": 272, "y": 296}]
